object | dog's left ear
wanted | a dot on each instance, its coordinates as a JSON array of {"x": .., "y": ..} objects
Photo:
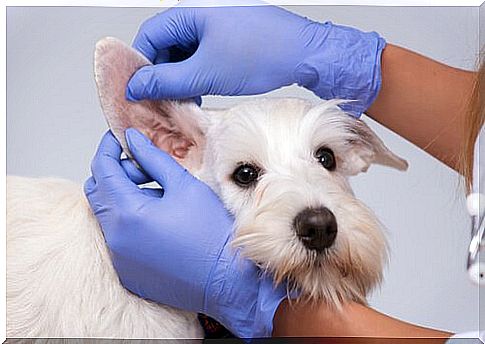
[
  {"x": 367, "y": 148},
  {"x": 177, "y": 127}
]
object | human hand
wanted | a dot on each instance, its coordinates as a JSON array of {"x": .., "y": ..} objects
[
  {"x": 251, "y": 50},
  {"x": 173, "y": 246}
]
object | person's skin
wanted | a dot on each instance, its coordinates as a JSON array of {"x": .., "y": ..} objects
[
  {"x": 425, "y": 102},
  {"x": 295, "y": 319}
]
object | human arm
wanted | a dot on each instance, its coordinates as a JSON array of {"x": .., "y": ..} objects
[
  {"x": 296, "y": 319},
  {"x": 424, "y": 101}
]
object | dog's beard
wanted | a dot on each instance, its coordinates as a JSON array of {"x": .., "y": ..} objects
[{"x": 346, "y": 271}]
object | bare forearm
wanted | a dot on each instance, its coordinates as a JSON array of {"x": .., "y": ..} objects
[
  {"x": 355, "y": 320},
  {"x": 424, "y": 101}
]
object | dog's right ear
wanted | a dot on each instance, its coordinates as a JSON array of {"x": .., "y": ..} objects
[
  {"x": 175, "y": 126},
  {"x": 367, "y": 148}
]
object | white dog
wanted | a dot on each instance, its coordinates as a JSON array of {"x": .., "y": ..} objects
[{"x": 279, "y": 165}]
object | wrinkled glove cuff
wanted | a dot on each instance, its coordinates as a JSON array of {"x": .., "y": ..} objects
[
  {"x": 241, "y": 298},
  {"x": 269, "y": 298},
  {"x": 345, "y": 65}
]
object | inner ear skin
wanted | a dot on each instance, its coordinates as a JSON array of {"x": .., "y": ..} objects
[
  {"x": 173, "y": 143},
  {"x": 172, "y": 125}
]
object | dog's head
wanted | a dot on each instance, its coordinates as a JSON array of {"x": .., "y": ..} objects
[{"x": 280, "y": 166}]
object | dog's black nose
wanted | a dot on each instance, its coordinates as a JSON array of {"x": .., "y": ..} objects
[{"x": 316, "y": 228}]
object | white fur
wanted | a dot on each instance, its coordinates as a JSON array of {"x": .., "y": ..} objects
[
  {"x": 60, "y": 280},
  {"x": 281, "y": 136}
]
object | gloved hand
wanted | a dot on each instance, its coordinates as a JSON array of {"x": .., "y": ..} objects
[
  {"x": 173, "y": 247},
  {"x": 252, "y": 50}
]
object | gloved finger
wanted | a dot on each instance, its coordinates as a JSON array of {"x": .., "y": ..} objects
[
  {"x": 156, "y": 163},
  {"x": 173, "y": 27},
  {"x": 177, "y": 54},
  {"x": 89, "y": 186},
  {"x": 136, "y": 175},
  {"x": 163, "y": 56},
  {"x": 92, "y": 195},
  {"x": 106, "y": 166},
  {"x": 150, "y": 192},
  {"x": 179, "y": 80},
  {"x": 174, "y": 55}
]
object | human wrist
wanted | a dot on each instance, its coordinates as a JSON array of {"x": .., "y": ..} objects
[{"x": 342, "y": 63}]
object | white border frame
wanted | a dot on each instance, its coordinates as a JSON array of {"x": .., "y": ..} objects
[
  {"x": 202, "y": 3},
  {"x": 3, "y": 171},
  {"x": 144, "y": 3}
]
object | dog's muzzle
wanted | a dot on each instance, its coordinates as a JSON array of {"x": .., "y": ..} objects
[{"x": 316, "y": 228}]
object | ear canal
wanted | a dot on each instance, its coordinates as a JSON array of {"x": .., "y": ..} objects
[
  {"x": 174, "y": 126},
  {"x": 381, "y": 154}
]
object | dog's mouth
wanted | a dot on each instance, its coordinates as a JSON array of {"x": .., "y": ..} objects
[
  {"x": 336, "y": 274},
  {"x": 326, "y": 276},
  {"x": 334, "y": 254}
]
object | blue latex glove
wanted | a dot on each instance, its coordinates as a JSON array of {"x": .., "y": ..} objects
[
  {"x": 173, "y": 247},
  {"x": 252, "y": 50}
]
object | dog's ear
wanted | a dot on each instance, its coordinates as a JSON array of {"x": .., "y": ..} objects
[
  {"x": 367, "y": 148},
  {"x": 174, "y": 126}
]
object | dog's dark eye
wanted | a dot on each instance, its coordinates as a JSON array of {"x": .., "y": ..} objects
[
  {"x": 326, "y": 158},
  {"x": 245, "y": 175}
]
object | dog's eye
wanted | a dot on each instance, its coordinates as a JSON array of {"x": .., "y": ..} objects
[
  {"x": 245, "y": 175},
  {"x": 326, "y": 158}
]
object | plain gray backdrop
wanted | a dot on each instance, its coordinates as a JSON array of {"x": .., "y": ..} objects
[{"x": 54, "y": 123}]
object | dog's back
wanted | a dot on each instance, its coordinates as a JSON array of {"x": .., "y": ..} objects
[{"x": 60, "y": 280}]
